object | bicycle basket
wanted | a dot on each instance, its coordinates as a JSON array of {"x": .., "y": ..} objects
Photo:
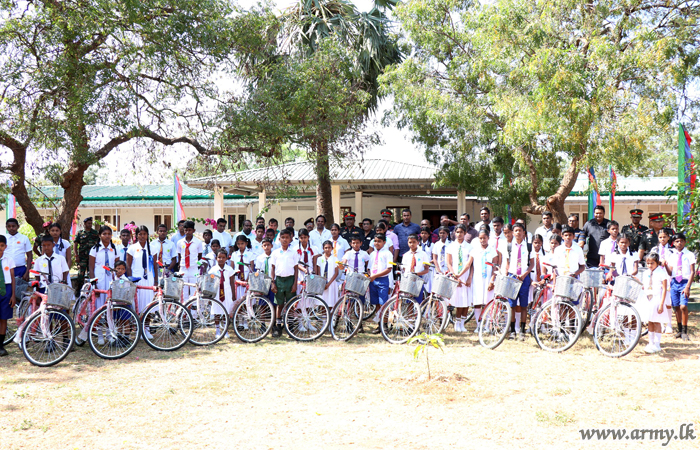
[
  {"x": 411, "y": 284},
  {"x": 123, "y": 291},
  {"x": 172, "y": 288},
  {"x": 259, "y": 282},
  {"x": 444, "y": 286},
  {"x": 209, "y": 285},
  {"x": 357, "y": 283},
  {"x": 315, "y": 284},
  {"x": 627, "y": 288},
  {"x": 593, "y": 278},
  {"x": 59, "y": 295},
  {"x": 507, "y": 287},
  {"x": 568, "y": 287}
]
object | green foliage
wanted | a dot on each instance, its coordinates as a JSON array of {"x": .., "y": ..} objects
[
  {"x": 690, "y": 223},
  {"x": 534, "y": 90},
  {"x": 28, "y": 231},
  {"x": 425, "y": 341}
]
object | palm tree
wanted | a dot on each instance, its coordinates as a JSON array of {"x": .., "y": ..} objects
[{"x": 367, "y": 34}]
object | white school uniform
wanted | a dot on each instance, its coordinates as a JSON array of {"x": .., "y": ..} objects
[
  {"x": 228, "y": 294},
  {"x": 687, "y": 258},
  {"x": 665, "y": 252},
  {"x": 482, "y": 274},
  {"x": 513, "y": 262},
  {"x": 225, "y": 239},
  {"x": 168, "y": 250},
  {"x": 624, "y": 262},
  {"x": 263, "y": 263},
  {"x": 104, "y": 256},
  {"x": 306, "y": 255},
  {"x": 122, "y": 251},
  {"x": 284, "y": 262},
  {"x": 330, "y": 295},
  {"x": 652, "y": 287},
  {"x": 58, "y": 267},
  {"x": 340, "y": 247},
  {"x": 7, "y": 262},
  {"x": 61, "y": 247},
  {"x": 144, "y": 296},
  {"x": 407, "y": 261},
  {"x": 195, "y": 248},
  {"x": 440, "y": 249},
  {"x": 427, "y": 248},
  {"x": 256, "y": 247},
  {"x": 608, "y": 248},
  {"x": 462, "y": 297},
  {"x": 350, "y": 258},
  {"x": 17, "y": 247},
  {"x": 247, "y": 257},
  {"x": 546, "y": 235},
  {"x": 568, "y": 259}
]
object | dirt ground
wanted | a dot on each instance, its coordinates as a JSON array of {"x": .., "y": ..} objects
[{"x": 362, "y": 394}]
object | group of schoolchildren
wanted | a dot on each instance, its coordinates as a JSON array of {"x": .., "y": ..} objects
[{"x": 285, "y": 255}]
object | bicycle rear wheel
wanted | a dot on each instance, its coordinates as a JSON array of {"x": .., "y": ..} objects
[
  {"x": 434, "y": 314},
  {"x": 400, "y": 320},
  {"x": 19, "y": 314},
  {"x": 495, "y": 323},
  {"x": 535, "y": 306},
  {"x": 617, "y": 329},
  {"x": 205, "y": 322},
  {"x": 166, "y": 328},
  {"x": 253, "y": 319},
  {"x": 346, "y": 318},
  {"x": 117, "y": 341},
  {"x": 306, "y": 318},
  {"x": 48, "y": 345},
  {"x": 586, "y": 308},
  {"x": 557, "y": 326}
]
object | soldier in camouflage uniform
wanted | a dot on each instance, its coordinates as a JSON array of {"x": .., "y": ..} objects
[
  {"x": 651, "y": 236},
  {"x": 84, "y": 241},
  {"x": 635, "y": 231}
]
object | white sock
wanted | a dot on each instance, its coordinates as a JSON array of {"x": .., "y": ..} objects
[
  {"x": 658, "y": 339},
  {"x": 517, "y": 322},
  {"x": 477, "y": 314}
]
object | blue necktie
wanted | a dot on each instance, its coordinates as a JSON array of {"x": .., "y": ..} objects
[
  {"x": 357, "y": 262},
  {"x": 326, "y": 269},
  {"x": 483, "y": 265},
  {"x": 144, "y": 264},
  {"x": 107, "y": 258},
  {"x": 624, "y": 265}
]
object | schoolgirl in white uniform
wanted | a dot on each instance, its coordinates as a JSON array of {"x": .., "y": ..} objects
[
  {"x": 225, "y": 292},
  {"x": 426, "y": 245},
  {"x": 482, "y": 258},
  {"x": 458, "y": 265},
  {"x": 327, "y": 267},
  {"x": 140, "y": 264},
  {"x": 242, "y": 254},
  {"x": 60, "y": 245},
  {"x": 103, "y": 254},
  {"x": 653, "y": 301}
]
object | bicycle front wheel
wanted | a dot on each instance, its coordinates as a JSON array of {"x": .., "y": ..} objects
[
  {"x": 617, "y": 329},
  {"x": 119, "y": 339},
  {"x": 253, "y": 319},
  {"x": 306, "y": 318},
  {"x": 557, "y": 326},
  {"x": 166, "y": 327},
  {"x": 495, "y": 323},
  {"x": 586, "y": 308},
  {"x": 400, "y": 320},
  {"x": 47, "y": 338},
  {"x": 434, "y": 314},
  {"x": 209, "y": 317},
  {"x": 19, "y": 314},
  {"x": 346, "y": 318}
]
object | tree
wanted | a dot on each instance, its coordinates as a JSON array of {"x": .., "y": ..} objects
[
  {"x": 555, "y": 86},
  {"x": 79, "y": 79},
  {"x": 311, "y": 82}
]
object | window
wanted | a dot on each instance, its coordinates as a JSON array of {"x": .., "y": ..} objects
[
  {"x": 156, "y": 221},
  {"x": 159, "y": 219},
  {"x": 97, "y": 218},
  {"x": 241, "y": 219},
  {"x": 168, "y": 220},
  {"x": 231, "y": 222},
  {"x": 396, "y": 213}
]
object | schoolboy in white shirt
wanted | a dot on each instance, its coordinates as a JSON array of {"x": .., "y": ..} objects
[
  {"x": 415, "y": 261},
  {"x": 189, "y": 250},
  {"x": 284, "y": 263},
  {"x": 608, "y": 246},
  {"x": 54, "y": 267},
  {"x": 380, "y": 265},
  {"x": 18, "y": 248},
  {"x": 225, "y": 239},
  {"x": 681, "y": 267},
  {"x": 519, "y": 261},
  {"x": 164, "y": 250},
  {"x": 7, "y": 289}
]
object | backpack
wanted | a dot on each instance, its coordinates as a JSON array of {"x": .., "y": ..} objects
[{"x": 529, "y": 249}]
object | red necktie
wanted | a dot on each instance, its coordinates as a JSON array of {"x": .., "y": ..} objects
[
  {"x": 413, "y": 262},
  {"x": 520, "y": 247},
  {"x": 187, "y": 254},
  {"x": 241, "y": 275},
  {"x": 160, "y": 253},
  {"x": 222, "y": 292},
  {"x": 537, "y": 258}
]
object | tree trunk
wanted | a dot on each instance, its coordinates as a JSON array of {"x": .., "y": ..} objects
[
  {"x": 72, "y": 196},
  {"x": 19, "y": 189},
  {"x": 324, "y": 199}
]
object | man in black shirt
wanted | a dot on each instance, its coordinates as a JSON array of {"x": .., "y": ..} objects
[
  {"x": 367, "y": 233},
  {"x": 596, "y": 231},
  {"x": 349, "y": 228}
]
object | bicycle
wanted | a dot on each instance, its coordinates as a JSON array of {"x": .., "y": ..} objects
[
  {"x": 165, "y": 322},
  {"x": 434, "y": 310},
  {"x": 558, "y": 324},
  {"x": 47, "y": 335},
  {"x": 200, "y": 306},
  {"x": 617, "y": 327},
  {"x": 497, "y": 314},
  {"x": 254, "y": 316},
  {"x": 593, "y": 279},
  {"x": 306, "y": 316},
  {"x": 24, "y": 307},
  {"x": 348, "y": 312},
  {"x": 112, "y": 331},
  {"x": 400, "y": 316},
  {"x": 540, "y": 295}
]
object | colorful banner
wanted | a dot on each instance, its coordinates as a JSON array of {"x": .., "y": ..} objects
[
  {"x": 179, "y": 213},
  {"x": 74, "y": 227},
  {"x": 594, "y": 196},
  {"x": 686, "y": 169},
  {"x": 613, "y": 189},
  {"x": 11, "y": 204}
]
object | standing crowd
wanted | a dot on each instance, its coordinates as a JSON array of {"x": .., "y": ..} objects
[{"x": 472, "y": 254}]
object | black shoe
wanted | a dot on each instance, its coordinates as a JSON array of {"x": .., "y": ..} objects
[
  {"x": 3, "y": 352},
  {"x": 277, "y": 331},
  {"x": 511, "y": 336},
  {"x": 361, "y": 330},
  {"x": 376, "y": 330}
]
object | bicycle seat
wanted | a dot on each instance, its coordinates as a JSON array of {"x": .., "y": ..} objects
[
  {"x": 94, "y": 280},
  {"x": 134, "y": 279}
]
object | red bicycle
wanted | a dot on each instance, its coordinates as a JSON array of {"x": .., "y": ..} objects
[{"x": 166, "y": 323}]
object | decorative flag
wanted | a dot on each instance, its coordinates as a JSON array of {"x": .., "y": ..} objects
[
  {"x": 594, "y": 196},
  {"x": 179, "y": 213},
  {"x": 11, "y": 204},
  {"x": 686, "y": 169},
  {"x": 613, "y": 189},
  {"x": 74, "y": 227}
]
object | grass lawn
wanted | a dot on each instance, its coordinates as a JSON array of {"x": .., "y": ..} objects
[{"x": 361, "y": 394}]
